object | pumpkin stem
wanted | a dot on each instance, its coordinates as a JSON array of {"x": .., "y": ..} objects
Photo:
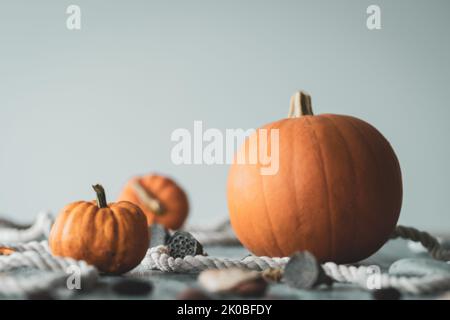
[
  {"x": 300, "y": 105},
  {"x": 101, "y": 196},
  {"x": 148, "y": 199}
]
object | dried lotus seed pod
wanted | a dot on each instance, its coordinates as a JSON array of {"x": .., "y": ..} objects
[{"x": 182, "y": 244}]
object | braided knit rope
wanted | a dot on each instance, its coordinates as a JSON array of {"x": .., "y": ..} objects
[
  {"x": 425, "y": 239},
  {"x": 157, "y": 258},
  {"x": 37, "y": 231},
  {"x": 37, "y": 246},
  {"x": 36, "y": 255},
  {"x": 362, "y": 274}
]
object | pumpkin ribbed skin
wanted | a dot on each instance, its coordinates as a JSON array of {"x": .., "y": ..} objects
[
  {"x": 114, "y": 239},
  {"x": 338, "y": 191},
  {"x": 173, "y": 199}
]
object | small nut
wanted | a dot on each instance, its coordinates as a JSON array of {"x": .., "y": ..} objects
[
  {"x": 251, "y": 288},
  {"x": 233, "y": 281}
]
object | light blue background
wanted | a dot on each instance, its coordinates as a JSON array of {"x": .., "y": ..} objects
[{"x": 99, "y": 104}]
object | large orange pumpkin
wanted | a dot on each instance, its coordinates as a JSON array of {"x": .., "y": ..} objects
[
  {"x": 160, "y": 198},
  {"x": 337, "y": 193},
  {"x": 113, "y": 237}
]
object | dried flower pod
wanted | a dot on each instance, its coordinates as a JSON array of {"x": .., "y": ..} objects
[
  {"x": 233, "y": 281},
  {"x": 303, "y": 271},
  {"x": 182, "y": 244}
]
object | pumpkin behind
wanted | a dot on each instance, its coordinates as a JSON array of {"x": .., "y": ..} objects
[{"x": 161, "y": 199}]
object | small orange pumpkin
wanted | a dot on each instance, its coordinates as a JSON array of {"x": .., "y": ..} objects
[
  {"x": 160, "y": 198},
  {"x": 337, "y": 193},
  {"x": 113, "y": 237}
]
